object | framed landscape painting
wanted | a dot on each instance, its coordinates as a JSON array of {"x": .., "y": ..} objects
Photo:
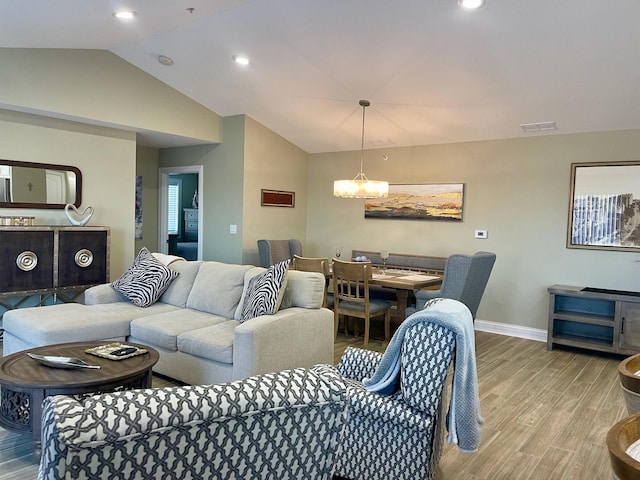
[{"x": 437, "y": 201}]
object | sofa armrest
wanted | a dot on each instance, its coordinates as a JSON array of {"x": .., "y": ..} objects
[
  {"x": 358, "y": 363},
  {"x": 294, "y": 337},
  {"x": 104, "y": 293},
  {"x": 118, "y": 434}
]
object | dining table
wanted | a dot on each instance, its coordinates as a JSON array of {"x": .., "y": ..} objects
[{"x": 404, "y": 283}]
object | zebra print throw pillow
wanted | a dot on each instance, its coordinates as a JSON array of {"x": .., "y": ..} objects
[
  {"x": 264, "y": 292},
  {"x": 145, "y": 280}
]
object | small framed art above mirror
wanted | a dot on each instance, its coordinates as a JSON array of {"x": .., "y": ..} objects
[
  {"x": 39, "y": 185},
  {"x": 604, "y": 206}
]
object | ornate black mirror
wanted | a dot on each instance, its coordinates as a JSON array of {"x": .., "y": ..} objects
[{"x": 39, "y": 185}]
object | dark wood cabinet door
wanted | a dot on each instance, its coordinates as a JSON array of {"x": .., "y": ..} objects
[
  {"x": 82, "y": 258},
  {"x": 26, "y": 260}
]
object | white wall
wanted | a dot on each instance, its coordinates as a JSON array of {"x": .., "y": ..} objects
[{"x": 517, "y": 189}]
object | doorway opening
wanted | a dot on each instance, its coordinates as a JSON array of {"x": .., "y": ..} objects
[{"x": 181, "y": 211}]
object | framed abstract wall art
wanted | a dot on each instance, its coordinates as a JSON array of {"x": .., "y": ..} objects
[
  {"x": 435, "y": 201},
  {"x": 277, "y": 198},
  {"x": 604, "y": 206}
]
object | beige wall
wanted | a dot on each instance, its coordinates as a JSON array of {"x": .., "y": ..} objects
[
  {"x": 251, "y": 157},
  {"x": 273, "y": 163},
  {"x": 106, "y": 159},
  {"x": 147, "y": 160},
  {"x": 517, "y": 189},
  {"x": 98, "y": 85},
  {"x": 221, "y": 197},
  {"x": 40, "y": 87}
]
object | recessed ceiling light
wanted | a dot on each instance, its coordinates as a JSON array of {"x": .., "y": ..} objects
[
  {"x": 380, "y": 142},
  {"x": 471, "y": 4},
  {"x": 164, "y": 60},
  {"x": 125, "y": 14},
  {"x": 241, "y": 59}
]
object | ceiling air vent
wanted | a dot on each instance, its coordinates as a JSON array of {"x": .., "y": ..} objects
[
  {"x": 538, "y": 127},
  {"x": 380, "y": 142}
]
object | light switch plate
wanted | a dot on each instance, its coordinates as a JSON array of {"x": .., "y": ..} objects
[
  {"x": 233, "y": 229},
  {"x": 482, "y": 234}
]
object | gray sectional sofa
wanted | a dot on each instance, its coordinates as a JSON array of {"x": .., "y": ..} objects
[{"x": 194, "y": 325}]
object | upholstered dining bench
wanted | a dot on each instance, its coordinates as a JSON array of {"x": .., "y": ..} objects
[{"x": 419, "y": 263}]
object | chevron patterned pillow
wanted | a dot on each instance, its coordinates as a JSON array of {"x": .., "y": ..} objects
[
  {"x": 145, "y": 280},
  {"x": 264, "y": 292}
]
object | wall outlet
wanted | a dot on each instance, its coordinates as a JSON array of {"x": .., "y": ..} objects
[
  {"x": 233, "y": 229},
  {"x": 482, "y": 234}
]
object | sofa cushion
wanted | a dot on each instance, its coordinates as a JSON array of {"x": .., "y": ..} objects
[
  {"x": 145, "y": 280},
  {"x": 264, "y": 292},
  {"x": 178, "y": 292},
  {"x": 162, "y": 330},
  {"x": 304, "y": 289},
  {"x": 73, "y": 322},
  {"x": 213, "y": 343},
  {"x": 217, "y": 288}
]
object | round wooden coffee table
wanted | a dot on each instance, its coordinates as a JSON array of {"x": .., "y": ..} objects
[{"x": 24, "y": 383}]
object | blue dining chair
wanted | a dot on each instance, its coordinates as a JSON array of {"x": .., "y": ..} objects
[{"x": 465, "y": 279}]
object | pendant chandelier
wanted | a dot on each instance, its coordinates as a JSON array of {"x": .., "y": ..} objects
[{"x": 361, "y": 186}]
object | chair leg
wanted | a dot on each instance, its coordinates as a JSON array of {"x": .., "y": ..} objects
[
  {"x": 366, "y": 331},
  {"x": 387, "y": 326},
  {"x": 336, "y": 321}
]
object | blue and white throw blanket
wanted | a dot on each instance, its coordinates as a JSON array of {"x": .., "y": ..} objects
[{"x": 464, "y": 421}]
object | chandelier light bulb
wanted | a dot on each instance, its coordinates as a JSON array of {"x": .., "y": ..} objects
[
  {"x": 241, "y": 60},
  {"x": 124, "y": 14},
  {"x": 471, "y": 4}
]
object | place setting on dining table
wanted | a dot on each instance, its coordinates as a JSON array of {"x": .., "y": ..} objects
[{"x": 404, "y": 274}]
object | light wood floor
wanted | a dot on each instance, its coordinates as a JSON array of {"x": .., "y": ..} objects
[{"x": 546, "y": 415}]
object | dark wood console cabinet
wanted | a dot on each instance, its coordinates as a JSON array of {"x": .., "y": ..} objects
[
  {"x": 594, "y": 318},
  {"x": 43, "y": 259}
]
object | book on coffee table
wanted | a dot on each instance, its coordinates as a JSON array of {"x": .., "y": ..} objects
[{"x": 116, "y": 351}]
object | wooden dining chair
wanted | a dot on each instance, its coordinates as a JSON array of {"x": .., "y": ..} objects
[
  {"x": 309, "y": 264},
  {"x": 351, "y": 296}
]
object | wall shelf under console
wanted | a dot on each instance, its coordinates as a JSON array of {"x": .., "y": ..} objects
[{"x": 594, "y": 318}]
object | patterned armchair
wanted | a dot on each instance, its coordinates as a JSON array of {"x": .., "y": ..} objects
[
  {"x": 283, "y": 425},
  {"x": 400, "y": 435}
]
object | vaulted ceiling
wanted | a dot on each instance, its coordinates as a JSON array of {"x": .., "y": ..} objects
[{"x": 434, "y": 72}]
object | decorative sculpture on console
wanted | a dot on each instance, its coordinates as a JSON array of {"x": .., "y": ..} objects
[{"x": 79, "y": 219}]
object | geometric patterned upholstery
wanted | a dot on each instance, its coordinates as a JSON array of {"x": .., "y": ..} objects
[
  {"x": 283, "y": 425},
  {"x": 422, "y": 378},
  {"x": 398, "y": 436}
]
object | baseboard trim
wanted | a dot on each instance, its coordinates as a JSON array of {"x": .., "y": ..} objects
[{"x": 518, "y": 331}]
